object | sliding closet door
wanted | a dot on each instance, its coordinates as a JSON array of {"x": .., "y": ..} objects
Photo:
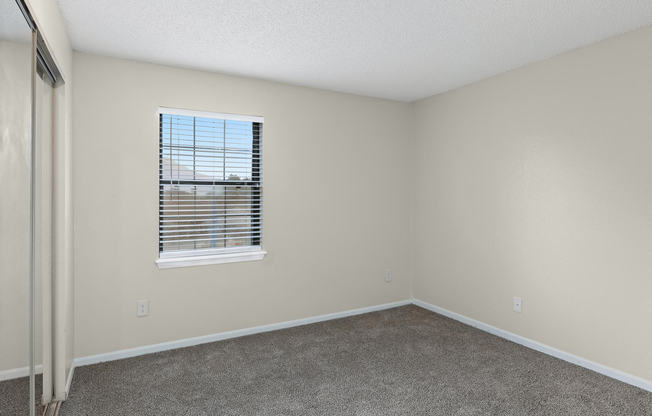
[
  {"x": 15, "y": 163},
  {"x": 43, "y": 230},
  {"x": 32, "y": 333}
]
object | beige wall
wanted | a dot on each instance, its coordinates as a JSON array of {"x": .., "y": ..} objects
[
  {"x": 538, "y": 183},
  {"x": 535, "y": 183},
  {"x": 336, "y": 206}
]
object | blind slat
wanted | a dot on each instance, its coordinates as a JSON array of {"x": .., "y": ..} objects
[{"x": 207, "y": 230}]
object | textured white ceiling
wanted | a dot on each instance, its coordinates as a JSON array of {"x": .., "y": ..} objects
[{"x": 398, "y": 49}]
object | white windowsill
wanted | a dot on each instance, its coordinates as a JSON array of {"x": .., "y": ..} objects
[{"x": 189, "y": 261}]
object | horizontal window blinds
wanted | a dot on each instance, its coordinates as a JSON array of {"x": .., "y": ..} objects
[{"x": 210, "y": 185}]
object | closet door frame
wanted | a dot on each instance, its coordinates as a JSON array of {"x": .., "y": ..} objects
[{"x": 43, "y": 56}]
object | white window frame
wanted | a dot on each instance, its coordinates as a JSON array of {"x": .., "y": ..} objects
[{"x": 203, "y": 257}]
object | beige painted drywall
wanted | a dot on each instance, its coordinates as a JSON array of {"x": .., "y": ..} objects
[
  {"x": 538, "y": 183},
  {"x": 336, "y": 206}
]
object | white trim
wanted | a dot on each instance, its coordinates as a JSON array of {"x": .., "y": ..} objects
[
  {"x": 188, "y": 261},
  {"x": 537, "y": 346},
  {"x": 70, "y": 375},
  {"x": 133, "y": 352},
  {"x": 32, "y": 15},
  {"x": 208, "y": 114},
  {"x": 148, "y": 349},
  {"x": 19, "y": 372},
  {"x": 209, "y": 251}
]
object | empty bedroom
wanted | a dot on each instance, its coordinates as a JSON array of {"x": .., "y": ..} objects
[{"x": 427, "y": 207}]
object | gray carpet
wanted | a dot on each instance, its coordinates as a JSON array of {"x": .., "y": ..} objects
[
  {"x": 402, "y": 361},
  {"x": 14, "y": 396}
]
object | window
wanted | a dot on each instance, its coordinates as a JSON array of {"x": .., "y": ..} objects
[{"x": 210, "y": 188}]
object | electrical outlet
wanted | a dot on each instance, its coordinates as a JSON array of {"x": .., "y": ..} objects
[
  {"x": 518, "y": 305},
  {"x": 143, "y": 307},
  {"x": 388, "y": 275}
]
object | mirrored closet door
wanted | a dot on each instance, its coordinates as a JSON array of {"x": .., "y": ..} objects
[
  {"x": 28, "y": 312},
  {"x": 16, "y": 69}
]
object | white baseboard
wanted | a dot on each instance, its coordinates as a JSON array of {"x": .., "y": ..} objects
[
  {"x": 24, "y": 372},
  {"x": 133, "y": 352},
  {"x": 69, "y": 381},
  {"x": 148, "y": 349},
  {"x": 562, "y": 355},
  {"x": 19, "y": 372}
]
